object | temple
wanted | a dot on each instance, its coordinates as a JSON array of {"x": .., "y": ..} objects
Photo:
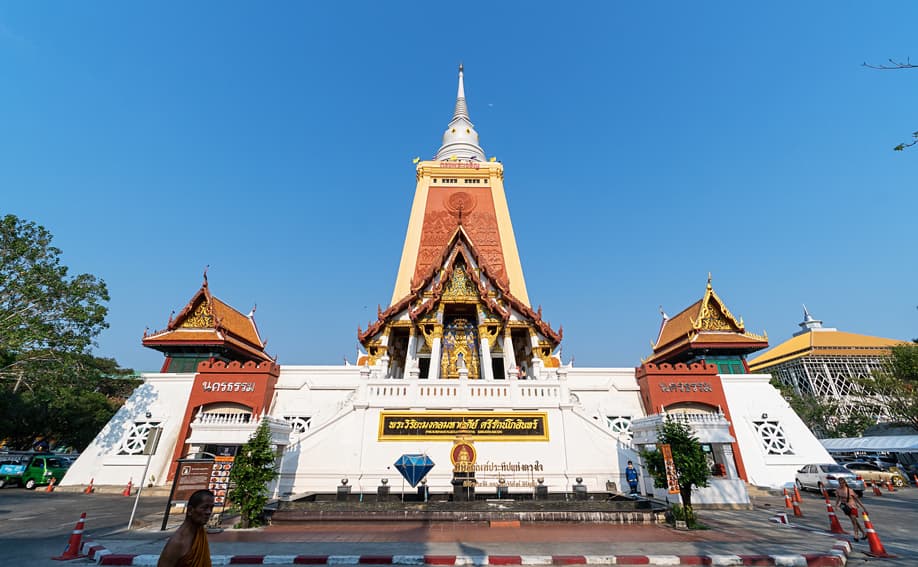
[{"x": 459, "y": 370}]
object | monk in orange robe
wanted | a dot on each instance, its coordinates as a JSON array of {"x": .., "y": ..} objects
[{"x": 188, "y": 546}]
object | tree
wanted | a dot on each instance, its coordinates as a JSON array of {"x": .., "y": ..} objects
[
  {"x": 895, "y": 389},
  {"x": 46, "y": 315},
  {"x": 253, "y": 469},
  {"x": 895, "y": 65},
  {"x": 51, "y": 386},
  {"x": 826, "y": 417},
  {"x": 691, "y": 466}
]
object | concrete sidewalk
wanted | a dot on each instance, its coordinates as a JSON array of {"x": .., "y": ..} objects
[{"x": 734, "y": 538}]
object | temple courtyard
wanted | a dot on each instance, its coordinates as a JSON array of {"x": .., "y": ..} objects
[{"x": 37, "y": 526}]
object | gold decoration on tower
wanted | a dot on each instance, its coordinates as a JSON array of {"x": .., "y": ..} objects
[
  {"x": 200, "y": 318},
  {"x": 460, "y": 287}
]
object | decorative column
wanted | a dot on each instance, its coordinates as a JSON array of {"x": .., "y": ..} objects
[
  {"x": 487, "y": 370},
  {"x": 509, "y": 357},
  {"x": 434, "y": 372},
  {"x": 411, "y": 354}
]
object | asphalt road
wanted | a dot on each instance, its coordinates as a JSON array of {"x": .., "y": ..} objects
[
  {"x": 894, "y": 516},
  {"x": 36, "y": 525}
]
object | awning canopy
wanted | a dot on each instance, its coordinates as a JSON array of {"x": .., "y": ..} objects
[{"x": 897, "y": 443}]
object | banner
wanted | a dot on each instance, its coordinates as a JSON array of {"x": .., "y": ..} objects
[
  {"x": 672, "y": 479},
  {"x": 490, "y": 425}
]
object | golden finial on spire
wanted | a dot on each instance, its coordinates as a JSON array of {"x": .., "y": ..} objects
[{"x": 709, "y": 280}]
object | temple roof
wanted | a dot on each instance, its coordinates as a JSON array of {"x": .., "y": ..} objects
[
  {"x": 427, "y": 291},
  {"x": 208, "y": 322},
  {"x": 706, "y": 325},
  {"x": 823, "y": 342}
]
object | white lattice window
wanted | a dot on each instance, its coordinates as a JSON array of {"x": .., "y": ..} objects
[
  {"x": 773, "y": 439},
  {"x": 620, "y": 424},
  {"x": 136, "y": 438},
  {"x": 299, "y": 424}
]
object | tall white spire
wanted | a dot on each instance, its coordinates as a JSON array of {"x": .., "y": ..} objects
[{"x": 460, "y": 141}]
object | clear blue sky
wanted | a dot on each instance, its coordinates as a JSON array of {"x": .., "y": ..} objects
[{"x": 644, "y": 145}]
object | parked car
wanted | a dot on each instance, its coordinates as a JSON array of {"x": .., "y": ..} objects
[
  {"x": 875, "y": 473},
  {"x": 31, "y": 469},
  {"x": 817, "y": 477}
]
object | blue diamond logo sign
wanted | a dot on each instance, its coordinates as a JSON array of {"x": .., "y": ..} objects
[{"x": 414, "y": 467}]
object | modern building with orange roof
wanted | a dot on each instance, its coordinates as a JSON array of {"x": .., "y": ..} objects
[
  {"x": 459, "y": 363},
  {"x": 822, "y": 362}
]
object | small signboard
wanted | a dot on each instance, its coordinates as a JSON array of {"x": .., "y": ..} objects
[
  {"x": 219, "y": 479},
  {"x": 672, "y": 478},
  {"x": 191, "y": 475}
]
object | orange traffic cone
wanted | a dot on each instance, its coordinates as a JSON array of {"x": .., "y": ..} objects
[
  {"x": 51, "y": 485},
  {"x": 876, "y": 547},
  {"x": 916, "y": 479},
  {"x": 834, "y": 526},
  {"x": 73, "y": 545},
  {"x": 787, "y": 499},
  {"x": 797, "y": 511},
  {"x": 889, "y": 486},
  {"x": 876, "y": 489},
  {"x": 90, "y": 489},
  {"x": 128, "y": 488},
  {"x": 797, "y": 495}
]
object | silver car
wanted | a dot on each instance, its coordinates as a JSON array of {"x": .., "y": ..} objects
[{"x": 817, "y": 477}]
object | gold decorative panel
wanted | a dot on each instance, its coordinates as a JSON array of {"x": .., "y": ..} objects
[
  {"x": 460, "y": 286},
  {"x": 460, "y": 349},
  {"x": 200, "y": 318},
  {"x": 712, "y": 319}
]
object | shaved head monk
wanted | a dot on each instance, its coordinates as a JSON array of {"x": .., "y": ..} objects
[{"x": 188, "y": 545}]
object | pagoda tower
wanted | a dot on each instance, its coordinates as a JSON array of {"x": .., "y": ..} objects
[{"x": 460, "y": 306}]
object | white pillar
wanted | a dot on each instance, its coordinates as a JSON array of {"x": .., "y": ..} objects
[
  {"x": 509, "y": 357},
  {"x": 411, "y": 354},
  {"x": 730, "y": 461},
  {"x": 487, "y": 371},
  {"x": 434, "y": 372}
]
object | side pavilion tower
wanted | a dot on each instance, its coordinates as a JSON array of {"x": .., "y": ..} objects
[{"x": 460, "y": 305}]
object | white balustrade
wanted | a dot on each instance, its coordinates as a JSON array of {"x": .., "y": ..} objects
[{"x": 467, "y": 393}]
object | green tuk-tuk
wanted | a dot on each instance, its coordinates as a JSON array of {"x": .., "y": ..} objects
[{"x": 31, "y": 469}]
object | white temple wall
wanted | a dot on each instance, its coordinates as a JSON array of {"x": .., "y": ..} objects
[
  {"x": 343, "y": 405},
  {"x": 164, "y": 397},
  {"x": 580, "y": 443},
  {"x": 752, "y": 401}
]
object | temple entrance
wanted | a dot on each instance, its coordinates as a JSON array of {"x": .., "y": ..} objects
[{"x": 460, "y": 342}]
